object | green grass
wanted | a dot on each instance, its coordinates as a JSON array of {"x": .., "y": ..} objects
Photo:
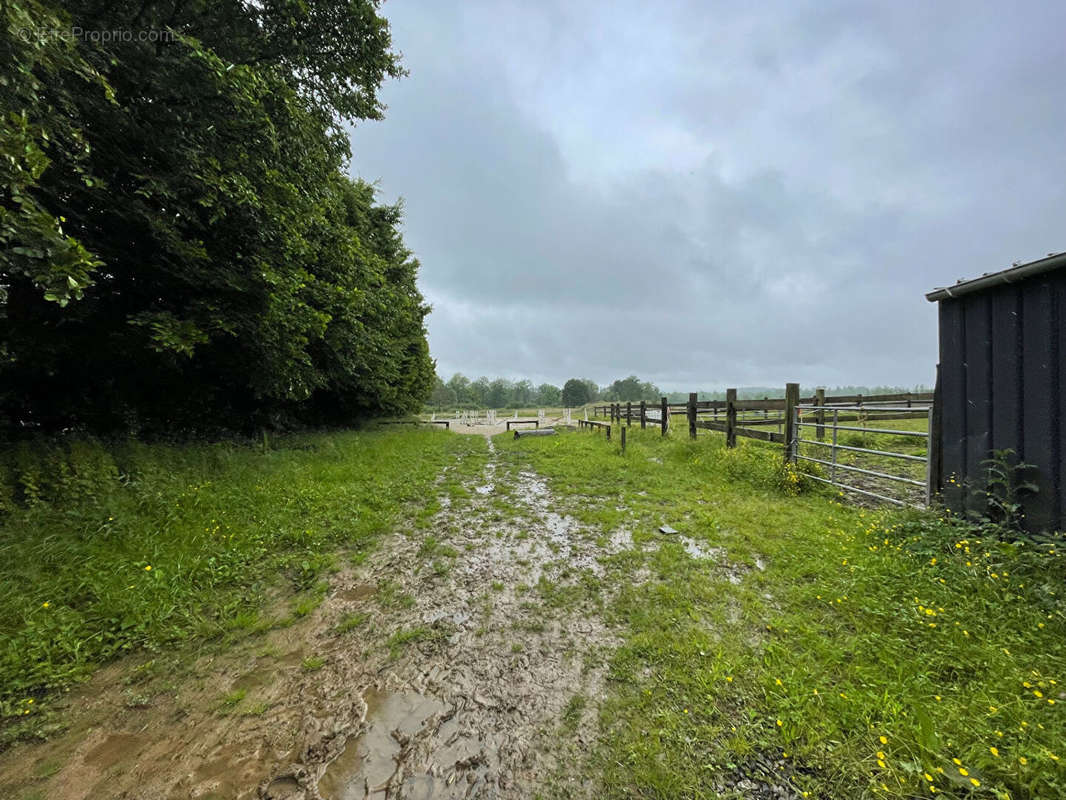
[
  {"x": 232, "y": 700},
  {"x": 351, "y": 622},
  {"x": 106, "y": 550},
  {"x": 873, "y": 648},
  {"x": 399, "y": 640}
]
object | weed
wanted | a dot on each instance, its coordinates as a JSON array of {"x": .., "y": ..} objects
[
  {"x": 352, "y": 621},
  {"x": 313, "y": 663},
  {"x": 389, "y": 595},
  {"x": 231, "y": 700},
  {"x": 257, "y": 710},
  {"x": 573, "y": 710},
  {"x": 399, "y": 640}
]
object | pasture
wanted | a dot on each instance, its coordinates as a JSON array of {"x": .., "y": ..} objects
[{"x": 513, "y": 611}]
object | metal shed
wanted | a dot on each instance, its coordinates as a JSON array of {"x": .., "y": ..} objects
[{"x": 1001, "y": 385}]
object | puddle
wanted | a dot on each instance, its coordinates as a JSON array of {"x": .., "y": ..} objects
[
  {"x": 114, "y": 749},
  {"x": 359, "y": 592},
  {"x": 701, "y": 550},
  {"x": 375, "y": 759},
  {"x": 255, "y": 679}
]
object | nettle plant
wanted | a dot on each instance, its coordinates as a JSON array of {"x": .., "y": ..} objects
[{"x": 1006, "y": 484}]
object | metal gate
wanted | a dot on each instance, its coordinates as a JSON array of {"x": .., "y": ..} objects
[{"x": 863, "y": 455}]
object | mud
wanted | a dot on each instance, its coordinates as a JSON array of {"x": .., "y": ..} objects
[{"x": 453, "y": 687}]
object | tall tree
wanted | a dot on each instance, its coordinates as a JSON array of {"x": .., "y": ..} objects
[
  {"x": 548, "y": 395},
  {"x": 460, "y": 384},
  {"x": 575, "y": 393},
  {"x": 179, "y": 241}
]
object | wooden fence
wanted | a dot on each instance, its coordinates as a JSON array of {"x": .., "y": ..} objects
[{"x": 750, "y": 418}]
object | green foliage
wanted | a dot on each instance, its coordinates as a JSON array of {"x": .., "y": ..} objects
[
  {"x": 1004, "y": 486},
  {"x": 182, "y": 250},
  {"x": 37, "y": 128},
  {"x": 460, "y": 392},
  {"x": 112, "y": 549},
  {"x": 575, "y": 393},
  {"x": 632, "y": 390}
]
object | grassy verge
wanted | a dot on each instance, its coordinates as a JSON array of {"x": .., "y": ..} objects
[
  {"x": 106, "y": 550},
  {"x": 841, "y": 651}
]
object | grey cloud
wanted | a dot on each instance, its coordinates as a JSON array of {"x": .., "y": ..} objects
[{"x": 710, "y": 195}]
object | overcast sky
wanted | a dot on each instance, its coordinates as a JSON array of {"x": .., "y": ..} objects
[{"x": 715, "y": 194}]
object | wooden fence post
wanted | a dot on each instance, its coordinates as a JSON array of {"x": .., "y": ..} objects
[
  {"x": 664, "y": 415},
  {"x": 643, "y": 414},
  {"x": 692, "y": 415},
  {"x": 623, "y": 440},
  {"x": 730, "y": 417},
  {"x": 819, "y": 400},
  {"x": 792, "y": 393},
  {"x": 629, "y": 413}
]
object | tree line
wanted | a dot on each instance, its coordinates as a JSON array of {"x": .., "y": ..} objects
[
  {"x": 461, "y": 392},
  {"x": 181, "y": 248}
]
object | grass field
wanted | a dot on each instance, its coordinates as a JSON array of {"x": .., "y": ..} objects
[
  {"x": 847, "y": 652},
  {"x": 780, "y": 640},
  {"x": 108, "y": 550}
]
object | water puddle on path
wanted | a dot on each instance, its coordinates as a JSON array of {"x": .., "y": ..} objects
[{"x": 408, "y": 746}]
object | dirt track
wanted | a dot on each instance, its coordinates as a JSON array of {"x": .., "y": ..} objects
[{"x": 456, "y": 684}]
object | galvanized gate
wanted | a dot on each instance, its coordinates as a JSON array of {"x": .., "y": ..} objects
[{"x": 863, "y": 455}]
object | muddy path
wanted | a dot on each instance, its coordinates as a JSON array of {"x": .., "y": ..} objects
[{"x": 437, "y": 668}]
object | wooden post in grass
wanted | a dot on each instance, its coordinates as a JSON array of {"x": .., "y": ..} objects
[
  {"x": 623, "y": 440},
  {"x": 792, "y": 393},
  {"x": 819, "y": 400},
  {"x": 664, "y": 415},
  {"x": 730, "y": 417},
  {"x": 643, "y": 414},
  {"x": 692, "y": 415},
  {"x": 629, "y": 413},
  {"x": 608, "y": 429}
]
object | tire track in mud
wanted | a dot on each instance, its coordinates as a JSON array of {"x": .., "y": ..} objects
[
  {"x": 438, "y": 668},
  {"x": 474, "y": 705}
]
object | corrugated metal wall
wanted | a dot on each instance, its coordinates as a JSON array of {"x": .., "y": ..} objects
[{"x": 1002, "y": 386}]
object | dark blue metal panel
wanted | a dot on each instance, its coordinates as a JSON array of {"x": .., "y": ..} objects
[
  {"x": 1038, "y": 392},
  {"x": 1003, "y": 387},
  {"x": 978, "y": 354},
  {"x": 953, "y": 402}
]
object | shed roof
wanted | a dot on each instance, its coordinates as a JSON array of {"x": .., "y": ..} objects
[{"x": 1010, "y": 275}]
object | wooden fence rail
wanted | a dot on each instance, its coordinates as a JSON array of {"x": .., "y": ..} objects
[
  {"x": 742, "y": 418},
  {"x": 903, "y": 399}
]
